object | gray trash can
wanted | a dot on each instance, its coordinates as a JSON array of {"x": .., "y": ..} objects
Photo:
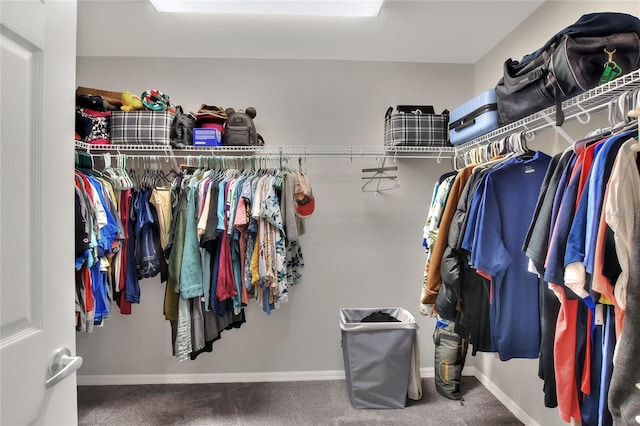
[{"x": 377, "y": 357}]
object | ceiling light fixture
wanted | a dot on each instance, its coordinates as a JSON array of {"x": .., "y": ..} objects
[{"x": 357, "y": 8}]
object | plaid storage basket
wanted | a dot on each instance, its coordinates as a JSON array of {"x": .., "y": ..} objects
[
  {"x": 141, "y": 127},
  {"x": 417, "y": 129}
]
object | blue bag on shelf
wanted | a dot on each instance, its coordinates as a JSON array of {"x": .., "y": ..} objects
[{"x": 474, "y": 118}]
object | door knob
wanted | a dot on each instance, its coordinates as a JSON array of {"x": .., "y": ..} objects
[{"x": 62, "y": 365}]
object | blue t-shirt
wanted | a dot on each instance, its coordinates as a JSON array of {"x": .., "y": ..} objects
[
  {"x": 508, "y": 203},
  {"x": 575, "y": 243},
  {"x": 472, "y": 215},
  {"x": 109, "y": 232},
  {"x": 554, "y": 266}
]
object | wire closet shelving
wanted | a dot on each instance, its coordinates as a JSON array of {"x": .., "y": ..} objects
[
  {"x": 574, "y": 108},
  {"x": 271, "y": 151}
]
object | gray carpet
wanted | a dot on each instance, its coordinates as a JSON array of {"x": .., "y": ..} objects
[{"x": 279, "y": 403}]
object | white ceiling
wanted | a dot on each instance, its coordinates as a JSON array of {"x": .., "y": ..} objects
[{"x": 454, "y": 31}]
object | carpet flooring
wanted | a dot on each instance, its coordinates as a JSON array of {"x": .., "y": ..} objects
[{"x": 279, "y": 403}]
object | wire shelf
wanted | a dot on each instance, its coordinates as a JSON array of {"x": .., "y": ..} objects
[
  {"x": 298, "y": 151},
  {"x": 590, "y": 101},
  {"x": 595, "y": 99}
]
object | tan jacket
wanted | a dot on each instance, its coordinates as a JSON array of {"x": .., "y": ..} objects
[{"x": 434, "y": 280}]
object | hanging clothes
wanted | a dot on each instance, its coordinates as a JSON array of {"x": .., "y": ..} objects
[
  {"x": 535, "y": 247},
  {"x": 588, "y": 250},
  {"x": 227, "y": 243},
  {"x": 623, "y": 397},
  {"x": 496, "y": 251},
  {"x": 122, "y": 246},
  {"x": 430, "y": 229},
  {"x": 434, "y": 278}
]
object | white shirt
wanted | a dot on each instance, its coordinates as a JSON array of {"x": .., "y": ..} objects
[{"x": 621, "y": 205}]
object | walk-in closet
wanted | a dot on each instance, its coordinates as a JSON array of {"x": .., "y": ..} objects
[{"x": 320, "y": 99}]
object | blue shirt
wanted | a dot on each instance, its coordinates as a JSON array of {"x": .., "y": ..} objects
[
  {"x": 108, "y": 232},
  {"x": 575, "y": 242},
  {"x": 470, "y": 229},
  {"x": 554, "y": 266},
  {"x": 221, "y": 204},
  {"x": 508, "y": 202},
  {"x": 472, "y": 215}
]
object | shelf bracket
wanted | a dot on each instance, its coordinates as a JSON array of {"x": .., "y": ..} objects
[{"x": 559, "y": 130}]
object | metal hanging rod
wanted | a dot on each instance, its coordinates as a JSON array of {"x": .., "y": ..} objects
[{"x": 302, "y": 151}]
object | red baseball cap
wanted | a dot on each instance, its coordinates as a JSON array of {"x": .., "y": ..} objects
[{"x": 303, "y": 196}]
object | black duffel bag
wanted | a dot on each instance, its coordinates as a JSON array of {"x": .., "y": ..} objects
[{"x": 596, "y": 49}]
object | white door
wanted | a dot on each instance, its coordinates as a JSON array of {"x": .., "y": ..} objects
[{"x": 37, "y": 43}]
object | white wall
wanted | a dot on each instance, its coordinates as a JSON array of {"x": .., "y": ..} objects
[
  {"x": 360, "y": 250},
  {"x": 518, "y": 378}
]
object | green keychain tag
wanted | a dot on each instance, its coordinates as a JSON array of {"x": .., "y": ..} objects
[{"x": 611, "y": 69}]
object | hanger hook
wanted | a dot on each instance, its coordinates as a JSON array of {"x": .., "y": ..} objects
[{"x": 584, "y": 117}]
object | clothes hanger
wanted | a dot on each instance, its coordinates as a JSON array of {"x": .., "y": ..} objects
[
  {"x": 635, "y": 113},
  {"x": 129, "y": 182},
  {"x": 384, "y": 181},
  {"x": 521, "y": 143},
  {"x": 112, "y": 174},
  {"x": 216, "y": 169},
  {"x": 476, "y": 155},
  {"x": 168, "y": 176},
  {"x": 279, "y": 176},
  {"x": 84, "y": 164},
  {"x": 619, "y": 110},
  {"x": 155, "y": 172}
]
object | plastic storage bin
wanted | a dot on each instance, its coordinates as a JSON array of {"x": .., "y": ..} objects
[
  {"x": 377, "y": 357},
  {"x": 209, "y": 136}
]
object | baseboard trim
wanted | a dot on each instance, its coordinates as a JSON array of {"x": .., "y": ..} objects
[
  {"x": 504, "y": 399},
  {"x": 151, "y": 379},
  {"x": 278, "y": 376}
]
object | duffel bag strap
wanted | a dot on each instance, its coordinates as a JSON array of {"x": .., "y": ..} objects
[{"x": 515, "y": 83}]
